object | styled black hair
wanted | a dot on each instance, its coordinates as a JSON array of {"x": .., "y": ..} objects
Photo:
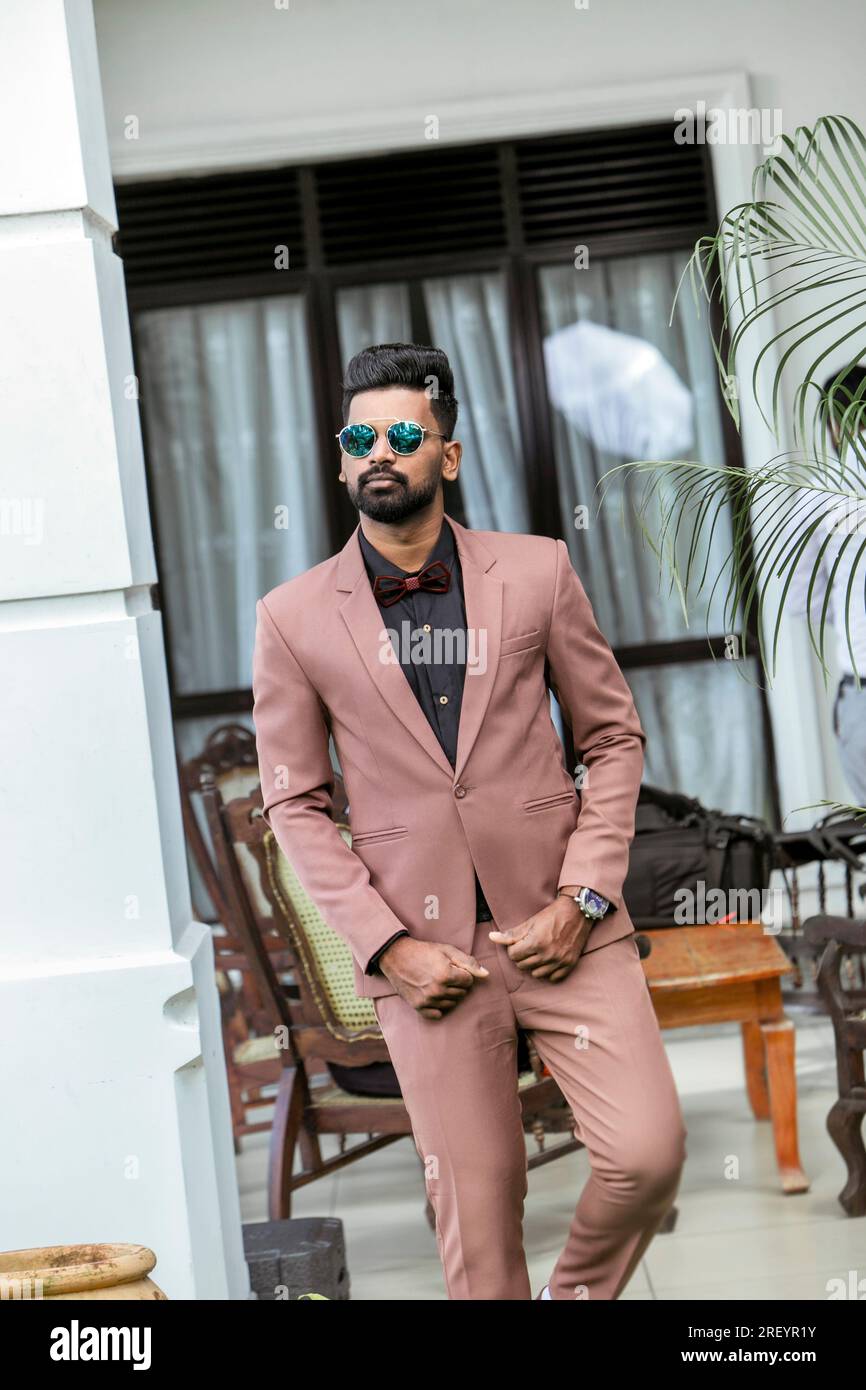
[
  {"x": 404, "y": 364},
  {"x": 846, "y": 391}
]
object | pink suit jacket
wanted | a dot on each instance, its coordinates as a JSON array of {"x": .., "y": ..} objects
[{"x": 323, "y": 664}]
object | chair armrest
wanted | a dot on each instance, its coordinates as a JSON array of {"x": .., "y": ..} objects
[{"x": 848, "y": 931}]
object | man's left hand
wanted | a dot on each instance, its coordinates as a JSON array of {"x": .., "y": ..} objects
[{"x": 548, "y": 945}]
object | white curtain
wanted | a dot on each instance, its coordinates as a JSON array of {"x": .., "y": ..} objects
[
  {"x": 239, "y": 495},
  {"x": 632, "y": 296},
  {"x": 703, "y": 719},
  {"x": 372, "y": 314},
  {"x": 469, "y": 321},
  {"x": 703, "y": 726}
]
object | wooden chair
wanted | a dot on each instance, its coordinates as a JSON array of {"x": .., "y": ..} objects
[
  {"x": 252, "y": 1062},
  {"x": 328, "y": 1022},
  {"x": 229, "y": 760},
  {"x": 838, "y": 840},
  {"x": 226, "y": 767},
  {"x": 838, "y": 937}
]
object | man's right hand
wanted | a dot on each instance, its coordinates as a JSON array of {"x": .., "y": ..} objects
[{"x": 430, "y": 977}]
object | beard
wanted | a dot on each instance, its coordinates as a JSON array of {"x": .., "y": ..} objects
[{"x": 401, "y": 502}]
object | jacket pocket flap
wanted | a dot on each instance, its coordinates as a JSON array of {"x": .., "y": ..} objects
[
  {"x": 525, "y": 642},
  {"x": 542, "y": 802},
  {"x": 366, "y": 836}
]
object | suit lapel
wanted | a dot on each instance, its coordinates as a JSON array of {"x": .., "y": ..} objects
[
  {"x": 482, "y": 594},
  {"x": 483, "y": 599},
  {"x": 366, "y": 625}
]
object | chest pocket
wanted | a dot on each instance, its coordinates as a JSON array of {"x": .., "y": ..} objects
[{"x": 525, "y": 642}]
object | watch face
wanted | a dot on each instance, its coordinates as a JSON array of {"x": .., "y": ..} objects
[{"x": 596, "y": 904}]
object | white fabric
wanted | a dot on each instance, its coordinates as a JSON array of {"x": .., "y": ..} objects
[
  {"x": 469, "y": 321},
  {"x": 843, "y": 522},
  {"x": 624, "y": 303},
  {"x": 371, "y": 314},
  {"x": 702, "y": 719},
  {"x": 619, "y": 391},
  {"x": 851, "y": 720},
  {"x": 227, "y": 401},
  {"x": 633, "y": 295}
]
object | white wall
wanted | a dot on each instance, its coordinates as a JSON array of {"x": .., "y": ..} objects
[
  {"x": 232, "y": 83},
  {"x": 116, "y": 1111},
  {"x": 184, "y": 67}
]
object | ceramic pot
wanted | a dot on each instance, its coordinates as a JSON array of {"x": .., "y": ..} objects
[{"x": 78, "y": 1271}]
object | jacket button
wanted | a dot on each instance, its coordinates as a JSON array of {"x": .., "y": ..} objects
[{"x": 459, "y": 790}]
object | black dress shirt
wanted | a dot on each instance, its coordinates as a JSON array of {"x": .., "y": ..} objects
[{"x": 437, "y": 684}]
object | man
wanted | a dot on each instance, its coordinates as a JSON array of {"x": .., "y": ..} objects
[
  {"x": 424, "y": 649},
  {"x": 832, "y": 558}
]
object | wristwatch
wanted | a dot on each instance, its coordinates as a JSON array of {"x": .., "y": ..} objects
[{"x": 591, "y": 904}]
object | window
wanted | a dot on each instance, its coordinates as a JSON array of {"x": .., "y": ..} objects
[{"x": 249, "y": 292}]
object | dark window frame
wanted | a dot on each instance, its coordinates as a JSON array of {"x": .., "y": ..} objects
[{"x": 518, "y": 261}]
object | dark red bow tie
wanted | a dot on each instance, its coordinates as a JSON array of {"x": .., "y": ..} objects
[{"x": 435, "y": 578}]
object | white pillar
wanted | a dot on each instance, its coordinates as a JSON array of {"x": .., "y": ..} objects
[{"x": 115, "y": 1105}]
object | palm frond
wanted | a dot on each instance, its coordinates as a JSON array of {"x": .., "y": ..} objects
[
  {"x": 835, "y": 808},
  {"x": 800, "y": 243},
  {"x": 795, "y": 513},
  {"x": 787, "y": 271}
]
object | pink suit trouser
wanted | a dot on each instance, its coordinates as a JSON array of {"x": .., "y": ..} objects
[{"x": 597, "y": 1033}]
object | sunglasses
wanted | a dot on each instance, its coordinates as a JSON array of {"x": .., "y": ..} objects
[{"x": 405, "y": 437}]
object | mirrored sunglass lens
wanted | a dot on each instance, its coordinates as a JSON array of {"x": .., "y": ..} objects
[
  {"x": 405, "y": 437},
  {"x": 357, "y": 440}
]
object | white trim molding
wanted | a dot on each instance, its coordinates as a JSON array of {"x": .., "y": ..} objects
[{"x": 297, "y": 139}]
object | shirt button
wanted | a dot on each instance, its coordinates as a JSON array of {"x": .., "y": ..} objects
[
  {"x": 459, "y": 790},
  {"x": 427, "y": 627},
  {"x": 443, "y": 699}
]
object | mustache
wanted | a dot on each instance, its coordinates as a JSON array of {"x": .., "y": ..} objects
[{"x": 381, "y": 473}]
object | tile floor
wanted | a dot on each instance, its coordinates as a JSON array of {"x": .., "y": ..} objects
[{"x": 735, "y": 1238}]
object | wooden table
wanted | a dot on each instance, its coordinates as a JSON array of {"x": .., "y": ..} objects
[{"x": 733, "y": 973}]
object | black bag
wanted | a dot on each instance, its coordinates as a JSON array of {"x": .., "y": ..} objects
[{"x": 679, "y": 844}]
